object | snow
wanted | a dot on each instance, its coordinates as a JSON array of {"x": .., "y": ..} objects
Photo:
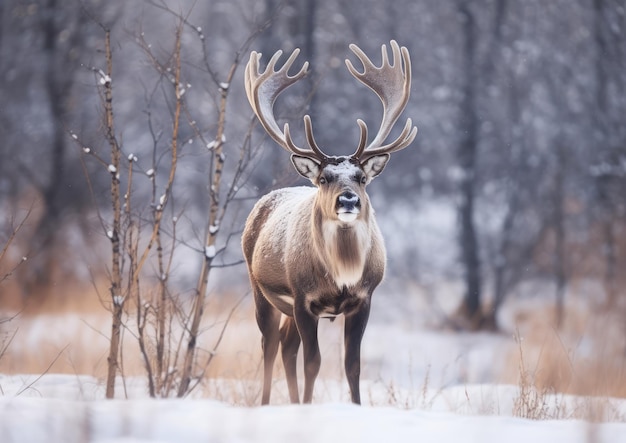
[
  {"x": 118, "y": 300},
  {"x": 55, "y": 412},
  {"x": 343, "y": 168},
  {"x": 210, "y": 251},
  {"x": 104, "y": 78},
  {"x": 417, "y": 385}
]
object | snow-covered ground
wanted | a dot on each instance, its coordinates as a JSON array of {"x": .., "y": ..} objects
[
  {"x": 417, "y": 385},
  {"x": 70, "y": 409}
]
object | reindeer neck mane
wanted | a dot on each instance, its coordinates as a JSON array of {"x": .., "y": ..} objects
[{"x": 342, "y": 250}]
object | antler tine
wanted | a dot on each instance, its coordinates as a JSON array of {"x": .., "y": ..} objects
[
  {"x": 392, "y": 85},
  {"x": 405, "y": 138},
  {"x": 262, "y": 89},
  {"x": 308, "y": 128},
  {"x": 362, "y": 139}
]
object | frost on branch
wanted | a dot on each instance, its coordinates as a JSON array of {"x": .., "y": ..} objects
[
  {"x": 210, "y": 251},
  {"x": 212, "y": 144},
  {"x": 213, "y": 229},
  {"x": 112, "y": 169},
  {"x": 104, "y": 79},
  {"x": 118, "y": 300},
  {"x": 162, "y": 200}
]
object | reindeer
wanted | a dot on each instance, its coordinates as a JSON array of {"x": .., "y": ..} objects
[{"x": 315, "y": 252}]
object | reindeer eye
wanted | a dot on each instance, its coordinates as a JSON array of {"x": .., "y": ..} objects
[
  {"x": 359, "y": 177},
  {"x": 322, "y": 180}
]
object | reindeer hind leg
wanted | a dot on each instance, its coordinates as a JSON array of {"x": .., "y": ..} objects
[
  {"x": 290, "y": 343},
  {"x": 268, "y": 320}
]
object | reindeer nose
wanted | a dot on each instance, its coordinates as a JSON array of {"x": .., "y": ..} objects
[{"x": 348, "y": 200}]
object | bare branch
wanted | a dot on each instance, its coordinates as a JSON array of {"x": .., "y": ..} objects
[{"x": 31, "y": 384}]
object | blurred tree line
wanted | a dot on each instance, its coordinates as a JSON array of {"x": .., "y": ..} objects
[{"x": 520, "y": 105}]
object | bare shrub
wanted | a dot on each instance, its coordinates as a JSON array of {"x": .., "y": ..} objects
[
  {"x": 532, "y": 401},
  {"x": 145, "y": 216},
  {"x": 7, "y": 269}
]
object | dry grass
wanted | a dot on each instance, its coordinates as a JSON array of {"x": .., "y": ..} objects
[
  {"x": 585, "y": 357},
  {"x": 548, "y": 366},
  {"x": 68, "y": 334}
]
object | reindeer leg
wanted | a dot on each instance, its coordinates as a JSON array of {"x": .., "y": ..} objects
[
  {"x": 268, "y": 319},
  {"x": 353, "y": 333},
  {"x": 307, "y": 327},
  {"x": 290, "y": 343}
]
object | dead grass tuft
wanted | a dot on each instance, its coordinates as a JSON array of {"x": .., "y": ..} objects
[
  {"x": 68, "y": 334},
  {"x": 583, "y": 358}
]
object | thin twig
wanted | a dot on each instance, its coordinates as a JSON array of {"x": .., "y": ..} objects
[
  {"x": 21, "y": 391},
  {"x": 213, "y": 352}
]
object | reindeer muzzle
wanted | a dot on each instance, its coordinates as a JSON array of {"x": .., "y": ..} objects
[{"x": 348, "y": 206}]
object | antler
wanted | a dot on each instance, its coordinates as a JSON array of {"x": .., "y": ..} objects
[
  {"x": 264, "y": 87},
  {"x": 392, "y": 85}
]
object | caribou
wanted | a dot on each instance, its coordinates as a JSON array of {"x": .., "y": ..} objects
[{"x": 316, "y": 252}]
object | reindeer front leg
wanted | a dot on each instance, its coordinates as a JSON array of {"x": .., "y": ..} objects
[
  {"x": 353, "y": 334},
  {"x": 306, "y": 323}
]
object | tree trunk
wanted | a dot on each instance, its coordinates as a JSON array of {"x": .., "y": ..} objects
[
  {"x": 467, "y": 153},
  {"x": 559, "y": 243},
  {"x": 304, "y": 31},
  {"x": 605, "y": 57}
]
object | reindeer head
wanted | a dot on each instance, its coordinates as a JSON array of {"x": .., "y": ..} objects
[{"x": 341, "y": 180}]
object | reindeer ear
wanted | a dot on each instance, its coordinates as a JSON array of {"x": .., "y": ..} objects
[
  {"x": 306, "y": 167},
  {"x": 374, "y": 165}
]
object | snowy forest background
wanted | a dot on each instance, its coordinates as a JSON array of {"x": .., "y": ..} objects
[{"x": 514, "y": 186}]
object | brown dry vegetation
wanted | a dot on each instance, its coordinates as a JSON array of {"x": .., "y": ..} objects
[
  {"x": 67, "y": 332},
  {"x": 65, "y": 328},
  {"x": 585, "y": 357}
]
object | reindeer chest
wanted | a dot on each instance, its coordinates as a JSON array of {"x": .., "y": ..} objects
[{"x": 331, "y": 304}]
